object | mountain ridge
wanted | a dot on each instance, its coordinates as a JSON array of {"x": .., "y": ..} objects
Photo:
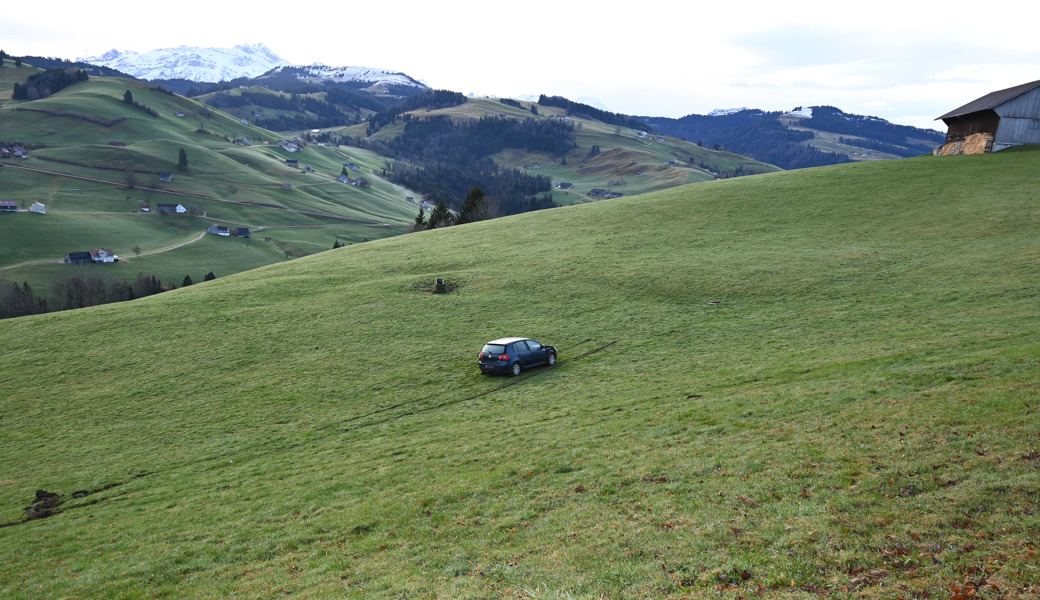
[
  {"x": 245, "y": 61},
  {"x": 806, "y": 136}
]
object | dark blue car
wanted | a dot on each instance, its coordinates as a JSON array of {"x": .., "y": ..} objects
[{"x": 513, "y": 355}]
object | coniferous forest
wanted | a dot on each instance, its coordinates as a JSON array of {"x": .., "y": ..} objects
[{"x": 443, "y": 159}]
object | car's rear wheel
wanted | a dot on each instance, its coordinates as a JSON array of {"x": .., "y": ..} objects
[
  {"x": 515, "y": 369},
  {"x": 551, "y": 359}
]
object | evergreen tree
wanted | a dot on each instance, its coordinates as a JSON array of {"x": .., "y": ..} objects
[
  {"x": 420, "y": 220},
  {"x": 128, "y": 98},
  {"x": 209, "y": 276},
  {"x": 187, "y": 281},
  {"x": 441, "y": 216},
  {"x": 476, "y": 207},
  {"x": 182, "y": 160}
]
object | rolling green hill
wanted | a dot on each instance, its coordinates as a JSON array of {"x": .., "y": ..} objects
[
  {"x": 805, "y": 384},
  {"x": 617, "y": 159},
  {"x": 95, "y": 162},
  {"x": 87, "y": 145}
]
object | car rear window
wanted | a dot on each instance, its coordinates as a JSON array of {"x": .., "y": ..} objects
[{"x": 494, "y": 349}]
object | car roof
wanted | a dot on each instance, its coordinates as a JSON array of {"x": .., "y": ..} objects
[{"x": 508, "y": 340}]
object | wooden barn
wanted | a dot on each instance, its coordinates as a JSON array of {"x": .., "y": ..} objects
[{"x": 995, "y": 121}]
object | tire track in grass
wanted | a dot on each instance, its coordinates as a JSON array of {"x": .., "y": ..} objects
[
  {"x": 38, "y": 511},
  {"x": 514, "y": 381}
]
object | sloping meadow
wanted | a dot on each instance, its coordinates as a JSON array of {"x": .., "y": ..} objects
[{"x": 820, "y": 382}]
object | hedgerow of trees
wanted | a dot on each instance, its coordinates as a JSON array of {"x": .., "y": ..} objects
[
  {"x": 300, "y": 111},
  {"x": 85, "y": 287},
  {"x": 128, "y": 98},
  {"x": 432, "y": 100},
  {"x": 477, "y": 207},
  {"x": 49, "y": 82},
  {"x": 577, "y": 109}
]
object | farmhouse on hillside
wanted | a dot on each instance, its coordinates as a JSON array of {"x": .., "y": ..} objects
[
  {"x": 170, "y": 209},
  {"x": 99, "y": 255},
  {"x": 103, "y": 255},
  {"x": 994, "y": 122},
  {"x": 166, "y": 177},
  {"x": 78, "y": 257},
  {"x": 37, "y": 207},
  {"x": 8, "y": 206},
  {"x": 223, "y": 230}
]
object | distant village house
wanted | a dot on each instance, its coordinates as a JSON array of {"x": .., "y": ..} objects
[
  {"x": 99, "y": 255},
  {"x": 223, "y": 230},
  {"x": 36, "y": 207},
  {"x": 8, "y": 206},
  {"x": 78, "y": 257},
  {"x": 103, "y": 255},
  {"x": 166, "y": 209}
]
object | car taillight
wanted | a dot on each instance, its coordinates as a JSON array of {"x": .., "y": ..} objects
[{"x": 503, "y": 357}]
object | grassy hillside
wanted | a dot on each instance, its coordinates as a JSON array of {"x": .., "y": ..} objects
[
  {"x": 637, "y": 164},
  {"x": 82, "y": 180},
  {"x": 819, "y": 383}
]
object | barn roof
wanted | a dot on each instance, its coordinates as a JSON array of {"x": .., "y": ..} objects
[{"x": 991, "y": 100}]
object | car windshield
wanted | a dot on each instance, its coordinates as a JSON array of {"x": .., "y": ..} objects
[{"x": 494, "y": 349}]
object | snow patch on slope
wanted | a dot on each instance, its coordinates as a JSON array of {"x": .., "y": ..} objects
[
  {"x": 318, "y": 71},
  {"x": 722, "y": 112}
]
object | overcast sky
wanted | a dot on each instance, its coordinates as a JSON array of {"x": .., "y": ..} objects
[{"x": 906, "y": 61}]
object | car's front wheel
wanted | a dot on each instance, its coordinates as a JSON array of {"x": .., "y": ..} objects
[
  {"x": 515, "y": 369},
  {"x": 551, "y": 359}
]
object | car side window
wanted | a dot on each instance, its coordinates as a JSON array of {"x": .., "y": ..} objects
[
  {"x": 534, "y": 345},
  {"x": 521, "y": 346}
]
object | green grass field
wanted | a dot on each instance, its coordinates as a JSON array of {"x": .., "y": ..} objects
[{"x": 818, "y": 383}]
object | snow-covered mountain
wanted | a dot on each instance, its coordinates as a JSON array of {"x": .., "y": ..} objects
[
  {"x": 319, "y": 73},
  {"x": 244, "y": 61},
  {"x": 193, "y": 63}
]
